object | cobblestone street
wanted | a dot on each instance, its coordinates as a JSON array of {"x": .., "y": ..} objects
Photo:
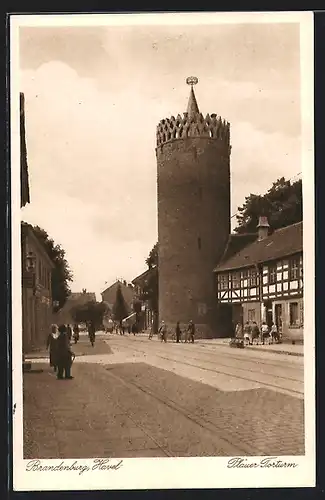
[{"x": 120, "y": 404}]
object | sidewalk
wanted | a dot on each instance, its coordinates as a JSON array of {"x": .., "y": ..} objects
[
  {"x": 136, "y": 410},
  {"x": 287, "y": 349}
]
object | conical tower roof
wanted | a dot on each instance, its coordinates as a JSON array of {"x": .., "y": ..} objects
[{"x": 192, "y": 107}]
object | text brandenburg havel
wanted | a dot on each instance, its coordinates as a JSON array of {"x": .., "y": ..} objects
[{"x": 102, "y": 464}]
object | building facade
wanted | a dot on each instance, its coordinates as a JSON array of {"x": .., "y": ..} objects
[
  {"x": 36, "y": 290},
  {"x": 109, "y": 294},
  {"x": 148, "y": 316},
  {"x": 264, "y": 282},
  {"x": 193, "y": 167}
]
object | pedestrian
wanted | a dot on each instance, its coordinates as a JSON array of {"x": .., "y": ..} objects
[
  {"x": 248, "y": 333},
  {"x": 239, "y": 331},
  {"x": 151, "y": 331},
  {"x": 265, "y": 335},
  {"x": 163, "y": 331},
  {"x": 129, "y": 328},
  {"x": 274, "y": 333},
  {"x": 255, "y": 332},
  {"x": 178, "y": 332},
  {"x": 92, "y": 333},
  {"x": 69, "y": 332},
  {"x": 191, "y": 331},
  {"x": 134, "y": 329},
  {"x": 52, "y": 346},
  {"x": 76, "y": 333},
  {"x": 65, "y": 356}
]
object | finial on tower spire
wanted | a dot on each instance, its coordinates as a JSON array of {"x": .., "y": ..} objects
[{"x": 192, "y": 107}]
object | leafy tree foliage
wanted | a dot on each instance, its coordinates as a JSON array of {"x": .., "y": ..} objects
[
  {"x": 152, "y": 259},
  {"x": 120, "y": 309},
  {"x": 282, "y": 204},
  {"x": 90, "y": 312},
  {"x": 61, "y": 274}
]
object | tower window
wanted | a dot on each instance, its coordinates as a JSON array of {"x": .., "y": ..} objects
[{"x": 199, "y": 243}]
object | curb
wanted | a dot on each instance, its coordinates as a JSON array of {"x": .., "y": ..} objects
[{"x": 287, "y": 353}]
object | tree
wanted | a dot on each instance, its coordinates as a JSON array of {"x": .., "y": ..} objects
[
  {"x": 282, "y": 204},
  {"x": 152, "y": 259},
  {"x": 90, "y": 312},
  {"x": 61, "y": 274},
  {"x": 120, "y": 309}
]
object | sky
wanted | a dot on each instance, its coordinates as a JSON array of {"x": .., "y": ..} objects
[{"x": 94, "y": 96}]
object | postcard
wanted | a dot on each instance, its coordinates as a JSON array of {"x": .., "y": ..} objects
[{"x": 162, "y": 180}]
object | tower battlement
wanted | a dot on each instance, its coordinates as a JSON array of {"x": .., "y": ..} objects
[{"x": 211, "y": 126}]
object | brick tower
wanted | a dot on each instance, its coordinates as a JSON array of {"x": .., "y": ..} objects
[{"x": 193, "y": 162}]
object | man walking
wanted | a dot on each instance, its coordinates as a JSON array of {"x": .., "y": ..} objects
[
  {"x": 191, "y": 331},
  {"x": 178, "y": 332},
  {"x": 163, "y": 331}
]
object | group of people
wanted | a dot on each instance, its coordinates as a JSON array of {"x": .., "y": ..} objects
[
  {"x": 123, "y": 328},
  {"x": 61, "y": 355},
  {"x": 163, "y": 332},
  {"x": 251, "y": 333}
]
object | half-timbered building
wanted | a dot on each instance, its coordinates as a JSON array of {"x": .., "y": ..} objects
[{"x": 263, "y": 281}]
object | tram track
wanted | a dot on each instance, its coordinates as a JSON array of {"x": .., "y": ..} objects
[
  {"x": 215, "y": 350},
  {"x": 269, "y": 385},
  {"x": 228, "y": 366}
]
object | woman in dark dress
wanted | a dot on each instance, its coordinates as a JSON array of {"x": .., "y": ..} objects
[
  {"x": 65, "y": 356},
  {"x": 52, "y": 346}
]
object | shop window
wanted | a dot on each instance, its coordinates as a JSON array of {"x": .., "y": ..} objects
[
  {"x": 272, "y": 274},
  {"x": 251, "y": 315},
  {"x": 294, "y": 269},
  {"x": 235, "y": 280},
  {"x": 294, "y": 314}
]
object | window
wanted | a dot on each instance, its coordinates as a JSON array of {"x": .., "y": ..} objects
[
  {"x": 223, "y": 281},
  {"x": 252, "y": 277},
  {"x": 199, "y": 243},
  {"x": 245, "y": 274},
  {"x": 235, "y": 280},
  {"x": 272, "y": 274},
  {"x": 251, "y": 315},
  {"x": 301, "y": 314},
  {"x": 294, "y": 314},
  {"x": 294, "y": 269}
]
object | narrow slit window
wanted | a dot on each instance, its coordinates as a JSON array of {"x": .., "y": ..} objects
[{"x": 199, "y": 243}]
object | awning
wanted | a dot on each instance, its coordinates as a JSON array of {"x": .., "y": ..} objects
[{"x": 129, "y": 318}]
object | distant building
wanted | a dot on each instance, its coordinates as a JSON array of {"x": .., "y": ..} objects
[
  {"x": 140, "y": 283},
  {"x": 109, "y": 294},
  {"x": 263, "y": 280},
  {"x": 75, "y": 299},
  {"x": 36, "y": 290}
]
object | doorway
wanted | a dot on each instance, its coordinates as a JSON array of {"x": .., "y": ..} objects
[
  {"x": 278, "y": 317},
  {"x": 268, "y": 313}
]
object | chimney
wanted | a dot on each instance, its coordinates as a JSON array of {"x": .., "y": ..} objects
[{"x": 263, "y": 228}]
